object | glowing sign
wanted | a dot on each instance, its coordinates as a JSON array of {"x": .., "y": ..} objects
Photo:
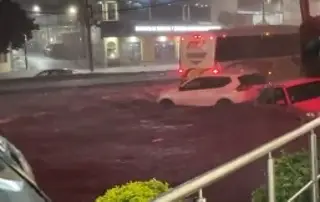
[{"x": 176, "y": 28}]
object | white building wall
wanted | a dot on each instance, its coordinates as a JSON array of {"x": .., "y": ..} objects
[
  {"x": 292, "y": 13},
  {"x": 222, "y": 5}
]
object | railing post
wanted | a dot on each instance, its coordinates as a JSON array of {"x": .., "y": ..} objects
[
  {"x": 200, "y": 196},
  {"x": 314, "y": 166},
  {"x": 271, "y": 182}
]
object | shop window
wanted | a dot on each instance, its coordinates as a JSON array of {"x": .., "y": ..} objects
[
  {"x": 3, "y": 58},
  {"x": 111, "y": 50},
  {"x": 131, "y": 50}
]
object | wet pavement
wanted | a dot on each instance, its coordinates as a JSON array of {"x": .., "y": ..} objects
[{"x": 83, "y": 141}]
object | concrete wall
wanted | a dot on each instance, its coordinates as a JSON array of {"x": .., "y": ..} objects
[
  {"x": 222, "y": 5},
  {"x": 292, "y": 14}
]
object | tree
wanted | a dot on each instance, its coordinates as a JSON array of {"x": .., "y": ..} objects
[
  {"x": 310, "y": 46},
  {"x": 16, "y": 26}
]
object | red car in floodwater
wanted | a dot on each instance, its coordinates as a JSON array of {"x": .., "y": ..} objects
[{"x": 301, "y": 96}]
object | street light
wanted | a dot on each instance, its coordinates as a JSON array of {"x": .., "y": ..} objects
[
  {"x": 36, "y": 9},
  {"x": 72, "y": 10}
]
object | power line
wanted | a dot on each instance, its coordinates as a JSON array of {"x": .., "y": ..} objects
[{"x": 119, "y": 10}]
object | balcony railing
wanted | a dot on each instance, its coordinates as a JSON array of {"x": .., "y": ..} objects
[{"x": 198, "y": 183}]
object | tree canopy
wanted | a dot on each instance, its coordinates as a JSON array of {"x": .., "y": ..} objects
[{"x": 15, "y": 24}]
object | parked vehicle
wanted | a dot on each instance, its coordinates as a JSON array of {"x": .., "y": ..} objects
[{"x": 214, "y": 88}]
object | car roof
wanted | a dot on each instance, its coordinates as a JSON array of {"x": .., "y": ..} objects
[
  {"x": 229, "y": 73},
  {"x": 58, "y": 69},
  {"x": 294, "y": 82}
]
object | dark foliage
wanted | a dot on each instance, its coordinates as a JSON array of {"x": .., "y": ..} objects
[
  {"x": 310, "y": 47},
  {"x": 16, "y": 26}
]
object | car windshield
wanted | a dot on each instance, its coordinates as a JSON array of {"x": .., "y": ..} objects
[
  {"x": 303, "y": 92},
  {"x": 14, "y": 188}
]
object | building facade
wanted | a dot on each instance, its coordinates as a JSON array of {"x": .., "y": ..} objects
[{"x": 148, "y": 37}]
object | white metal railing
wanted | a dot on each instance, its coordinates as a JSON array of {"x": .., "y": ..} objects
[{"x": 198, "y": 183}]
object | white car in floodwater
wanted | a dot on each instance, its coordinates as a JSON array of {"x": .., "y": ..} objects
[{"x": 215, "y": 88}]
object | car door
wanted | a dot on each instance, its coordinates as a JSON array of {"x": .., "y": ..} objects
[
  {"x": 191, "y": 93},
  {"x": 276, "y": 99},
  {"x": 204, "y": 91},
  {"x": 272, "y": 96},
  {"x": 220, "y": 87}
]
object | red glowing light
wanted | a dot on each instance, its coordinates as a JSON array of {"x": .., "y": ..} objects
[
  {"x": 197, "y": 36},
  {"x": 215, "y": 71}
]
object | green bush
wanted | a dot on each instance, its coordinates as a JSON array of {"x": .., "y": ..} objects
[
  {"x": 292, "y": 172},
  {"x": 135, "y": 192}
]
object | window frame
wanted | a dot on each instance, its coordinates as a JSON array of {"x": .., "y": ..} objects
[
  {"x": 185, "y": 87},
  {"x": 272, "y": 97}
]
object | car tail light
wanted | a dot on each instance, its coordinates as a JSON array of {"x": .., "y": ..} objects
[
  {"x": 243, "y": 88},
  {"x": 197, "y": 36},
  {"x": 215, "y": 71},
  {"x": 180, "y": 70}
]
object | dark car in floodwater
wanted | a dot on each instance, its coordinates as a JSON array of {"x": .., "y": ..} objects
[
  {"x": 55, "y": 72},
  {"x": 17, "y": 182}
]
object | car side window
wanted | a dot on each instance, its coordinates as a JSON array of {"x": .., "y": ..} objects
[
  {"x": 192, "y": 85},
  {"x": 44, "y": 73},
  {"x": 51, "y": 73},
  {"x": 206, "y": 83},
  {"x": 56, "y": 72},
  {"x": 280, "y": 96},
  {"x": 252, "y": 79},
  {"x": 217, "y": 82},
  {"x": 272, "y": 96}
]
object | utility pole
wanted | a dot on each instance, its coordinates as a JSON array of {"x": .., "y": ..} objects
[
  {"x": 150, "y": 11},
  {"x": 282, "y": 11},
  {"x": 264, "y": 12},
  {"x": 25, "y": 52},
  {"x": 186, "y": 15},
  {"x": 87, "y": 13}
]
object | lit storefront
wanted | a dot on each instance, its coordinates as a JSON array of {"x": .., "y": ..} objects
[
  {"x": 129, "y": 41},
  {"x": 5, "y": 62},
  {"x": 148, "y": 43}
]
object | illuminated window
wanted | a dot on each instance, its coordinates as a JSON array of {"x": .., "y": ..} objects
[
  {"x": 3, "y": 58},
  {"x": 111, "y": 50},
  {"x": 112, "y": 13}
]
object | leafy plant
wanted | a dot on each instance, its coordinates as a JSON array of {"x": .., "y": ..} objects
[
  {"x": 135, "y": 192},
  {"x": 292, "y": 172}
]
